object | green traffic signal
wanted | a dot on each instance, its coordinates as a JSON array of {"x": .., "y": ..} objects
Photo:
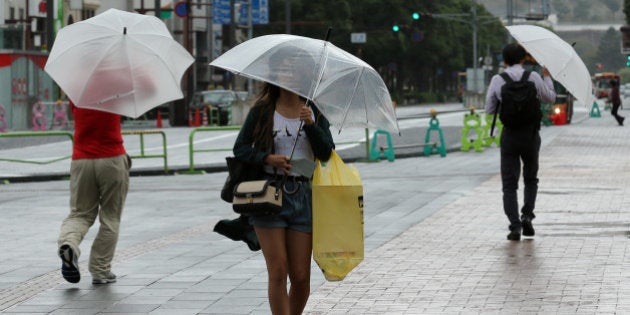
[
  {"x": 395, "y": 28},
  {"x": 415, "y": 15},
  {"x": 628, "y": 62}
]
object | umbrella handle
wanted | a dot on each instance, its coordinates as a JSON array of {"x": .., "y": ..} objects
[
  {"x": 307, "y": 104},
  {"x": 298, "y": 133}
]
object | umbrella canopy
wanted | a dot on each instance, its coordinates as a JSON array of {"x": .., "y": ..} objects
[
  {"x": 119, "y": 62},
  {"x": 348, "y": 91},
  {"x": 564, "y": 64}
]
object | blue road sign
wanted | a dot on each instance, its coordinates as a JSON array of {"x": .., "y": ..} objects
[
  {"x": 181, "y": 9},
  {"x": 221, "y": 12},
  {"x": 260, "y": 11}
]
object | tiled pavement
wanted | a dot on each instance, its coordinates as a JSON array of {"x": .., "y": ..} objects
[
  {"x": 458, "y": 261},
  {"x": 435, "y": 241}
]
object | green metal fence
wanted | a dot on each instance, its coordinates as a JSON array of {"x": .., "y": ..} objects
[
  {"x": 38, "y": 134},
  {"x": 142, "y": 154},
  {"x": 192, "y": 150}
]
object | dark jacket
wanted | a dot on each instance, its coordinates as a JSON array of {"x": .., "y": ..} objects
[
  {"x": 318, "y": 135},
  {"x": 615, "y": 98}
]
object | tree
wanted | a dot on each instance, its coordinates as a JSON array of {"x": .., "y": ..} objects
[
  {"x": 612, "y": 5},
  {"x": 408, "y": 65},
  {"x": 562, "y": 9},
  {"x": 608, "y": 52},
  {"x": 582, "y": 10}
]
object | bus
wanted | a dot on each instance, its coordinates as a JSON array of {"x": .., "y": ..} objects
[{"x": 601, "y": 83}]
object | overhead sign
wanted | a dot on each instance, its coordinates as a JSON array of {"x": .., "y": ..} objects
[
  {"x": 221, "y": 12},
  {"x": 260, "y": 11},
  {"x": 358, "y": 38}
]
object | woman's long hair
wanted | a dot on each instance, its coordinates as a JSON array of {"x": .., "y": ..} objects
[{"x": 263, "y": 130}]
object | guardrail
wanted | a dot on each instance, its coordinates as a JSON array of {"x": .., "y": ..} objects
[
  {"x": 38, "y": 134},
  {"x": 192, "y": 150},
  {"x": 143, "y": 155}
]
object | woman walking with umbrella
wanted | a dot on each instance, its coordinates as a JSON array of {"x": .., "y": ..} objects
[{"x": 280, "y": 126}]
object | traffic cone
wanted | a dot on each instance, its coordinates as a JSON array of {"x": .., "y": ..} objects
[
  {"x": 204, "y": 116},
  {"x": 159, "y": 119},
  {"x": 197, "y": 118}
]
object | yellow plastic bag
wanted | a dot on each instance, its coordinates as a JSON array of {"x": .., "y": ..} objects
[{"x": 337, "y": 218}]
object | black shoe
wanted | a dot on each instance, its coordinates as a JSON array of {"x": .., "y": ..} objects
[
  {"x": 514, "y": 236},
  {"x": 528, "y": 229},
  {"x": 69, "y": 264}
]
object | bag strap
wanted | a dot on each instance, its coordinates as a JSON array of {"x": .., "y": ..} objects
[
  {"x": 506, "y": 77},
  {"x": 494, "y": 119},
  {"x": 525, "y": 76}
]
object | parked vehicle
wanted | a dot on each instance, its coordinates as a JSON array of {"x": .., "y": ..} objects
[
  {"x": 242, "y": 95},
  {"x": 561, "y": 111},
  {"x": 219, "y": 99}
]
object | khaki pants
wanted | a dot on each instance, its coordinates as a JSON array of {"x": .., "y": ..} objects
[{"x": 98, "y": 187}]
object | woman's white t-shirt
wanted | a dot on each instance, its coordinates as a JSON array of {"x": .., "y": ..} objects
[{"x": 285, "y": 130}]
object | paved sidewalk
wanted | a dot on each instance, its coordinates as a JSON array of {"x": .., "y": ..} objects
[
  {"x": 434, "y": 229},
  {"x": 458, "y": 261}
]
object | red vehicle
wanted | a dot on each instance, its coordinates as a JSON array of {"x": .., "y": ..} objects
[
  {"x": 561, "y": 111},
  {"x": 601, "y": 83}
]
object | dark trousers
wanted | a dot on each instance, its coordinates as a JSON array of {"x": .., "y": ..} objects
[
  {"x": 614, "y": 110},
  {"x": 516, "y": 146}
]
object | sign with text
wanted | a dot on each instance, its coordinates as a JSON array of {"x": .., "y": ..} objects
[
  {"x": 221, "y": 12},
  {"x": 358, "y": 38}
]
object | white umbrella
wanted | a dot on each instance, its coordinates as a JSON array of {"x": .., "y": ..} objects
[
  {"x": 564, "y": 64},
  {"x": 119, "y": 62},
  {"x": 348, "y": 91}
]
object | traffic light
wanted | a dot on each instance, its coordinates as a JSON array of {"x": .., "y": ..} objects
[
  {"x": 395, "y": 28},
  {"x": 415, "y": 16},
  {"x": 628, "y": 61}
]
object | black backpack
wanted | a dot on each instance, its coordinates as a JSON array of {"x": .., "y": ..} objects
[{"x": 520, "y": 106}]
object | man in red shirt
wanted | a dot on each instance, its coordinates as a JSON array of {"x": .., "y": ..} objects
[{"x": 99, "y": 180}]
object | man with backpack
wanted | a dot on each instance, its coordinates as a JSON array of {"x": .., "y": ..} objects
[{"x": 515, "y": 95}]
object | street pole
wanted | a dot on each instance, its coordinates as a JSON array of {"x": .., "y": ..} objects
[
  {"x": 287, "y": 16},
  {"x": 473, "y": 20},
  {"x": 474, "y": 31},
  {"x": 250, "y": 34},
  {"x": 510, "y": 17},
  {"x": 210, "y": 39},
  {"x": 50, "y": 24}
]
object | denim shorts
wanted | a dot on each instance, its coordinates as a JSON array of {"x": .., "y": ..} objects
[{"x": 296, "y": 213}]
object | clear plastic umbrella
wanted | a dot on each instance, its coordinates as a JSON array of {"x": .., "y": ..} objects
[
  {"x": 348, "y": 91},
  {"x": 564, "y": 64},
  {"x": 119, "y": 62}
]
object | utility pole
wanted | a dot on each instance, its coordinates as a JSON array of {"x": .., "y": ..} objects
[
  {"x": 287, "y": 16},
  {"x": 50, "y": 24},
  {"x": 510, "y": 17},
  {"x": 474, "y": 31},
  {"x": 471, "y": 19}
]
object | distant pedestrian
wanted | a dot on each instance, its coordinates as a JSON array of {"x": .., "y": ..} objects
[
  {"x": 99, "y": 180},
  {"x": 520, "y": 143},
  {"x": 615, "y": 99}
]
